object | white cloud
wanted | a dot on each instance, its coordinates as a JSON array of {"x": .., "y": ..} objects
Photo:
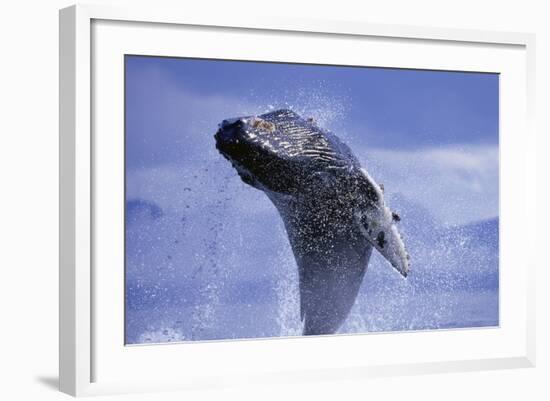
[{"x": 457, "y": 184}]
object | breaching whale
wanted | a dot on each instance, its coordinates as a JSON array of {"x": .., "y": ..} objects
[{"x": 334, "y": 213}]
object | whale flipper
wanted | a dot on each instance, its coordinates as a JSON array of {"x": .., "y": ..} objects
[{"x": 328, "y": 288}]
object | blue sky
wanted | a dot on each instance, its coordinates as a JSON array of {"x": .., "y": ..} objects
[
  {"x": 207, "y": 255},
  {"x": 407, "y": 108}
]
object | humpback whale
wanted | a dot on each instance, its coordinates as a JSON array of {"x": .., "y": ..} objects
[{"x": 334, "y": 213}]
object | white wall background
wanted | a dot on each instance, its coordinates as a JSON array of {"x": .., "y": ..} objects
[{"x": 29, "y": 185}]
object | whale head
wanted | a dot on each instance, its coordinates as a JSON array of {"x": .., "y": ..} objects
[{"x": 277, "y": 151}]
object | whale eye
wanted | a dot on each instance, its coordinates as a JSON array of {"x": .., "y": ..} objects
[{"x": 395, "y": 216}]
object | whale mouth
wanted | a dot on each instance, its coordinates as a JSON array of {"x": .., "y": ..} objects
[
  {"x": 245, "y": 175},
  {"x": 231, "y": 143},
  {"x": 232, "y": 136},
  {"x": 228, "y": 130}
]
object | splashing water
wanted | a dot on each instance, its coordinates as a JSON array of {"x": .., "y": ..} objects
[
  {"x": 161, "y": 336},
  {"x": 288, "y": 293},
  {"x": 318, "y": 102}
]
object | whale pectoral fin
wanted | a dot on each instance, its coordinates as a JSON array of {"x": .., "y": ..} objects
[
  {"x": 329, "y": 283},
  {"x": 377, "y": 224}
]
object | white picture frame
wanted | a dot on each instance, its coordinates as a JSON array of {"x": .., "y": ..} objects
[{"x": 80, "y": 343}]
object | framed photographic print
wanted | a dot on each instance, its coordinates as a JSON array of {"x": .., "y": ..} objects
[{"x": 345, "y": 200}]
